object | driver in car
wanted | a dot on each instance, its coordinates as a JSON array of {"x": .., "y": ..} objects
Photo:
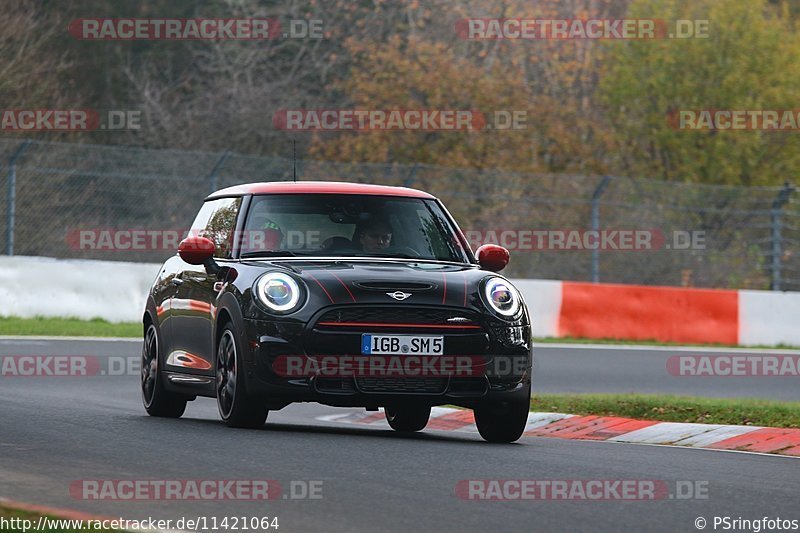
[
  {"x": 374, "y": 235},
  {"x": 264, "y": 235}
]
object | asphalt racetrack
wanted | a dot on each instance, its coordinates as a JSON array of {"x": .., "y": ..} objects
[{"x": 56, "y": 431}]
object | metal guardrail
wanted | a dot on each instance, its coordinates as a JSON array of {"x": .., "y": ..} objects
[{"x": 745, "y": 237}]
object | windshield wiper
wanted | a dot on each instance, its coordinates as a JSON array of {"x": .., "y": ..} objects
[
  {"x": 269, "y": 253},
  {"x": 398, "y": 255}
]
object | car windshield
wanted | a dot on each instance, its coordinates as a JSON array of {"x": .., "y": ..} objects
[{"x": 349, "y": 225}]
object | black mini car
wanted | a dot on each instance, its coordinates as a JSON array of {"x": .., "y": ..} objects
[{"x": 344, "y": 294}]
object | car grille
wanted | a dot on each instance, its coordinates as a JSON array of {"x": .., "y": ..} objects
[
  {"x": 398, "y": 316},
  {"x": 402, "y": 385},
  {"x": 334, "y": 385},
  {"x": 338, "y": 331}
]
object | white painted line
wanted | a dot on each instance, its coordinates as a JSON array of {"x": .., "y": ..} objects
[
  {"x": 695, "y": 448},
  {"x": 665, "y": 433},
  {"x": 537, "y": 420},
  {"x": 716, "y": 435},
  {"x": 338, "y": 417},
  {"x": 654, "y": 348},
  {"x": 27, "y": 343},
  {"x": 441, "y": 411},
  {"x": 691, "y": 436},
  {"x": 347, "y": 418}
]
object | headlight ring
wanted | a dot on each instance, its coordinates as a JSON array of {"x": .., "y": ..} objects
[
  {"x": 278, "y": 292},
  {"x": 502, "y": 297}
]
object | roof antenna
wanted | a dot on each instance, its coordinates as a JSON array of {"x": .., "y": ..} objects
[{"x": 294, "y": 160}]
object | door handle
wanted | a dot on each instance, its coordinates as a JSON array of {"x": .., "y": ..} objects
[{"x": 177, "y": 281}]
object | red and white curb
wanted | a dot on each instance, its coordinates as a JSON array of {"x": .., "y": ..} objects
[{"x": 610, "y": 428}]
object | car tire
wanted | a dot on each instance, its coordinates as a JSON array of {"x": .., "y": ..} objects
[
  {"x": 156, "y": 399},
  {"x": 503, "y": 422},
  {"x": 236, "y": 407},
  {"x": 408, "y": 418}
]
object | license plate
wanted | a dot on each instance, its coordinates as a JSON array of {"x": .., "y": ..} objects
[{"x": 402, "y": 344}]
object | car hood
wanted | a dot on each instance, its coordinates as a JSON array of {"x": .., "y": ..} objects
[{"x": 343, "y": 282}]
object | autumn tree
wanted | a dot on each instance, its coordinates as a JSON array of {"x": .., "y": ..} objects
[{"x": 748, "y": 62}]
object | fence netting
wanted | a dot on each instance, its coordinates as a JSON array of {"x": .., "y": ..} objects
[{"x": 557, "y": 226}]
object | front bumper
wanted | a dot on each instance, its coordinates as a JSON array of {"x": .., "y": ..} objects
[{"x": 499, "y": 372}]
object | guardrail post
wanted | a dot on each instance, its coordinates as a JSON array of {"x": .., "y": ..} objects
[
  {"x": 408, "y": 181},
  {"x": 12, "y": 196},
  {"x": 776, "y": 240},
  {"x": 598, "y": 192},
  {"x": 215, "y": 171}
]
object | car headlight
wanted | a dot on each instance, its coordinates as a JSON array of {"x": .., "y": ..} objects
[
  {"x": 279, "y": 292},
  {"x": 502, "y": 297}
]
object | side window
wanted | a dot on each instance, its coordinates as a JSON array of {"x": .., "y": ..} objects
[
  {"x": 440, "y": 234},
  {"x": 217, "y": 221}
]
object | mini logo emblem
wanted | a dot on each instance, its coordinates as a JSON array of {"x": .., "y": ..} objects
[{"x": 398, "y": 295}]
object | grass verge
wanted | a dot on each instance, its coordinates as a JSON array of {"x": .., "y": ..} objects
[
  {"x": 745, "y": 412},
  {"x": 67, "y": 327},
  {"x": 15, "y": 520}
]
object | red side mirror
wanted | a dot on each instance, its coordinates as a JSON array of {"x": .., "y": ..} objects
[
  {"x": 196, "y": 250},
  {"x": 492, "y": 257}
]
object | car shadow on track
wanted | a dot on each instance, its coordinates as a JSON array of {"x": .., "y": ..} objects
[{"x": 382, "y": 433}]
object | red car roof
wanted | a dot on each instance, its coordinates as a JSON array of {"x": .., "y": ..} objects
[{"x": 317, "y": 187}]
